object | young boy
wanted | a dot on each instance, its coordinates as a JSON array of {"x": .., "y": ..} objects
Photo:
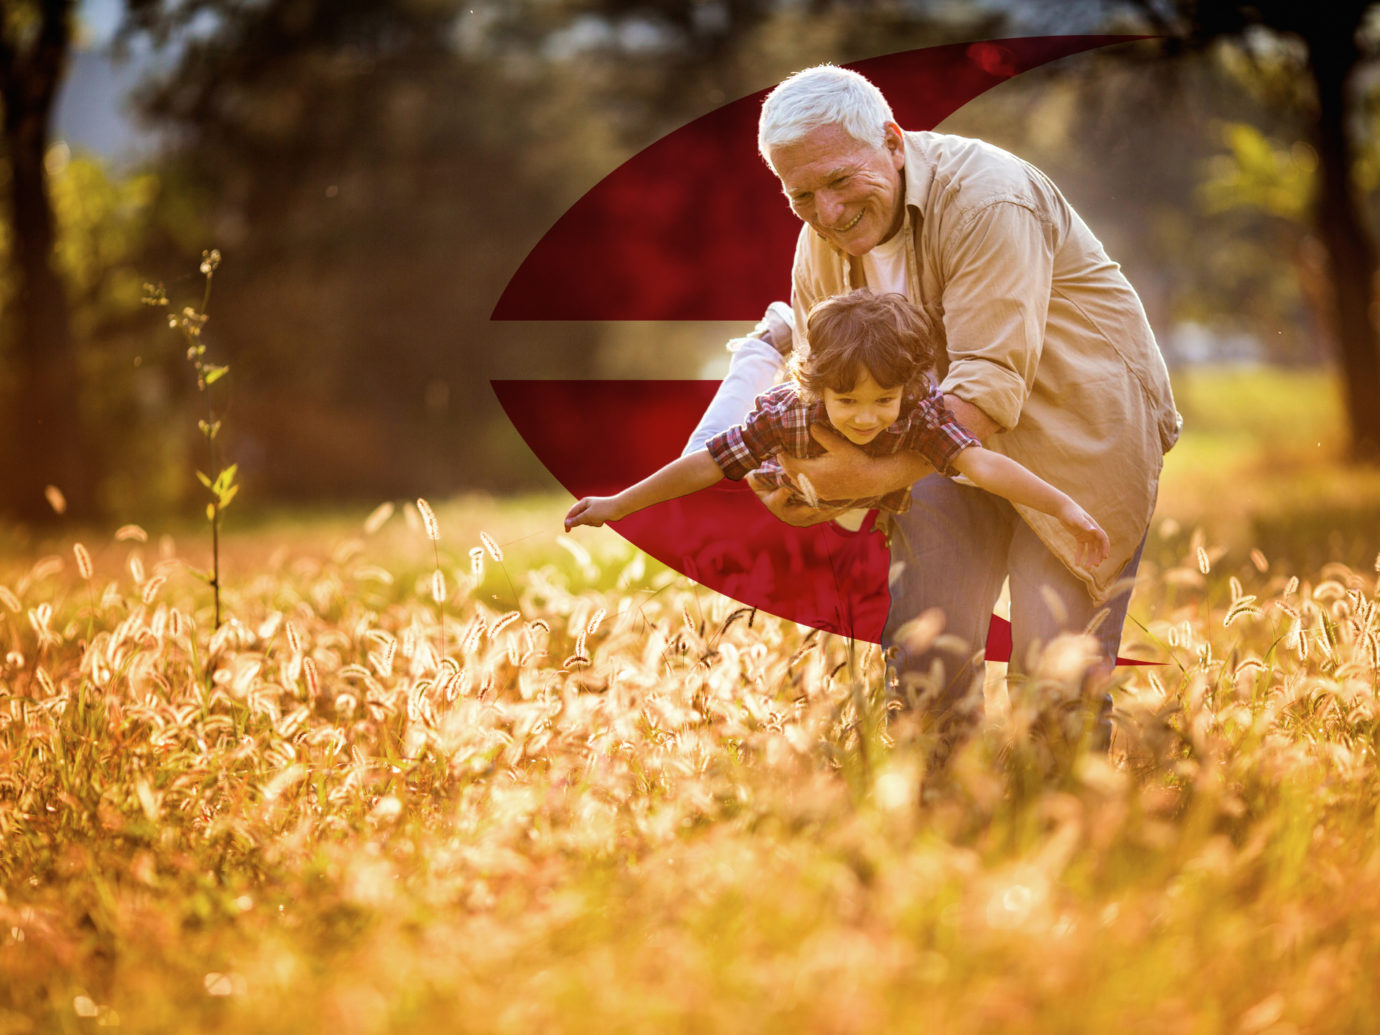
[{"x": 866, "y": 376}]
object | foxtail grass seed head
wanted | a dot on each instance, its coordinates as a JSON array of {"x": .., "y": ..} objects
[
  {"x": 11, "y": 601},
  {"x": 46, "y": 568},
  {"x": 477, "y": 562},
  {"x": 503, "y": 622},
  {"x": 595, "y": 620},
  {"x": 1325, "y": 647},
  {"x": 151, "y": 589},
  {"x": 1243, "y": 606},
  {"x": 313, "y": 681},
  {"x": 83, "y": 561},
  {"x": 1204, "y": 565},
  {"x": 492, "y": 547},
  {"x": 294, "y": 641},
  {"x": 1261, "y": 563},
  {"x": 433, "y": 530},
  {"x": 128, "y": 533},
  {"x": 55, "y": 499},
  {"x": 378, "y": 517}
]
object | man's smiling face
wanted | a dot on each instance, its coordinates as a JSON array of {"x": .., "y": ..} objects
[{"x": 848, "y": 191}]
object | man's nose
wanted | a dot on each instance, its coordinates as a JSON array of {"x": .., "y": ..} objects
[{"x": 828, "y": 207}]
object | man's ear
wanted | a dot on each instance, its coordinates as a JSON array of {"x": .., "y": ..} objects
[{"x": 895, "y": 142}]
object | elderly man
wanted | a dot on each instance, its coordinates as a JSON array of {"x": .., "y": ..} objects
[{"x": 1050, "y": 360}]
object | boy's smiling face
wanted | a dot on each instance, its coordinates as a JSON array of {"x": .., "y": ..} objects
[{"x": 865, "y": 410}]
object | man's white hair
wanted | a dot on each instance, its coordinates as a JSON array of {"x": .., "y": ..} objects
[{"x": 824, "y": 95}]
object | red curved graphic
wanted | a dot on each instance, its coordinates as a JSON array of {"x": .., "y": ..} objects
[{"x": 694, "y": 228}]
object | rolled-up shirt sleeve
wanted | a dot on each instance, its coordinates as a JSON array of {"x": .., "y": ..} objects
[{"x": 998, "y": 272}]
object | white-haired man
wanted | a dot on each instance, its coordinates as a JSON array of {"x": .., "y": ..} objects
[{"x": 1050, "y": 360}]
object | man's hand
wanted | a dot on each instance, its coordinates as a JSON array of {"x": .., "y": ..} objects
[
  {"x": 778, "y": 500},
  {"x": 593, "y": 510},
  {"x": 845, "y": 472}
]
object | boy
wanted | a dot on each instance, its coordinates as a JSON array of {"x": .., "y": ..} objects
[{"x": 866, "y": 375}]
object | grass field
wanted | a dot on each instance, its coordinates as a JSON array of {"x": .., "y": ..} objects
[{"x": 583, "y": 794}]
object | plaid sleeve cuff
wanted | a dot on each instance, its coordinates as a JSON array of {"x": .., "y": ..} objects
[
  {"x": 776, "y": 413},
  {"x": 937, "y": 435},
  {"x": 731, "y": 454}
]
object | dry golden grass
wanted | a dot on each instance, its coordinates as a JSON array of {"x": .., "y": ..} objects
[{"x": 621, "y": 803}]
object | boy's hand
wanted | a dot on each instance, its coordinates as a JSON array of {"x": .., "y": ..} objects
[
  {"x": 593, "y": 510},
  {"x": 1093, "y": 545}
]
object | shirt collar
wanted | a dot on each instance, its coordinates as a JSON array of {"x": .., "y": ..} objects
[{"x": 919, "y": 172}]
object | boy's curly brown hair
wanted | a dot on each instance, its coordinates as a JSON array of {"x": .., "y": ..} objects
[{"x": 887, "y": 335}]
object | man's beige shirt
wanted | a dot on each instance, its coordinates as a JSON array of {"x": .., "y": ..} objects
[{"x": 1045, "y": 334}]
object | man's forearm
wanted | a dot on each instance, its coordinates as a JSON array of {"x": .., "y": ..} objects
[
  {"x": 981, "y": 426},
  {"x": 848, "y": 473}
]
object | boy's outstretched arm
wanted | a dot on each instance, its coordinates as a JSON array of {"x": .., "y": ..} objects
[
  {"x": 1004, "y": 477},
  {"x": 680, "y": 477}
]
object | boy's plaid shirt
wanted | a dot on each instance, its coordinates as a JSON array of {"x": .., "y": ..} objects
[{"x": 780, "y": 421}]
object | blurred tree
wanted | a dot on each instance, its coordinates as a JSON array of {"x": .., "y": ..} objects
[
  {"x": 42, "y": 439},
  {"x": 374, "y": 170},
  {"x": 1314, "y": 56}
]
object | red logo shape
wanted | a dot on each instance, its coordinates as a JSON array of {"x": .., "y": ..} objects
[{"x": 694, "y": 227}]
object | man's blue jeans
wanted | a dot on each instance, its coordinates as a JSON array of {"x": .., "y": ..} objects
[{"x": 953, "y": 550}]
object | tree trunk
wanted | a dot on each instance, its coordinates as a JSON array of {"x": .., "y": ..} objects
[
  {"x": 43, "y": 443},
  {"x": 1332, "y": 60}
]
